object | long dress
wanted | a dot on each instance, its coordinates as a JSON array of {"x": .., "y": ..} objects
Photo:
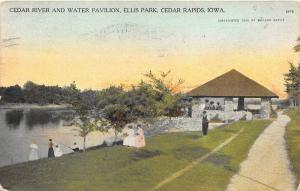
[
  {"x": 140, "y": 138},
  {"x": 33, "y": 154},
  {"x": 58, "y": 152},
  {"x": 2, "y": 189},
  {"x": 205, "y": 124},
  {"x": 129, "y": 140}
]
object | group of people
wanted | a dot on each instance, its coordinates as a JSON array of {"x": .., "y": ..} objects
[
  {"x": 53, "y": 151},
  {"x": 134, "y": 137}
]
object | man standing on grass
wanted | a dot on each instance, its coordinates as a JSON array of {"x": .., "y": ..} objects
[
  {"x": 204, "y": 123},
  {"x": 50, "y": 150}
]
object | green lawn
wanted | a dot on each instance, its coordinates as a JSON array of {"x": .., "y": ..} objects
[
  {"x": 128, "y": 169},
  {"x": 293, "y": 140}
]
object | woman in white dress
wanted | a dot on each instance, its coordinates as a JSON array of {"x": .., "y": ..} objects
[
  {"x": 57, "y": 151},
  {"x": 33, "y": 154},
  {"x": 2, "y": 189},
  {"x": 140, "y": 138},
  {"x": 129, "y": 140}
]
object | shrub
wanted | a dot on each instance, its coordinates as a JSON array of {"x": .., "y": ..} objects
[
  {"x": 244, "y": 118},
  {"x": 216, "y": 119},
  {"x": 273, "y": 114}
]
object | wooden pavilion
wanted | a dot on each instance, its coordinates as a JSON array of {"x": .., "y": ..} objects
[{"x": 234, "y": 84}]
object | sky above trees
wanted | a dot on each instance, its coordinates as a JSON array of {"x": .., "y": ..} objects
[{"x": 99, "y": 50}]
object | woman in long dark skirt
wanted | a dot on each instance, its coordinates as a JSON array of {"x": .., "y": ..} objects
[
  {"x": 50, "y": 150},
  {"x": 204, "y": 123}
]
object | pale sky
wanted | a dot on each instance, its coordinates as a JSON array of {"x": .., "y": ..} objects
[{"x": 101, "y": 49}]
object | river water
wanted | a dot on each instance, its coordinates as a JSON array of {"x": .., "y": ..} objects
[{"x": 19, "y": 127}]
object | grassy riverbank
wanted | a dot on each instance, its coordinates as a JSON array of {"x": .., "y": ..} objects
[
  {"x": 293, "y": 140},
  {"x": 122, "y": 168}
]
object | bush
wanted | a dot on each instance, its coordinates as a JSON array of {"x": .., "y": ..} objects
[
  {"x": 216, "y": 119},
  {"x": 244, "y": 118},
  {"x": 273, "y": 114}
]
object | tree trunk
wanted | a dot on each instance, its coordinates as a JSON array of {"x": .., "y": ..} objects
[
  {"x": 116, "y": 136},
  {"x": 84, "y": 138}
]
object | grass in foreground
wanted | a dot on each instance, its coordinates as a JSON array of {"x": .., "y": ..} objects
[
  {"x": 293, "y": 140},
  {"x": 122, "y": 168}
]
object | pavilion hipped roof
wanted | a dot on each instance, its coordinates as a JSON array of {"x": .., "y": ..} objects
[{"x": 232, "y": 84}]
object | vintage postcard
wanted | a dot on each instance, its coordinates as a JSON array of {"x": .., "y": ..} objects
[{"x": 149, "y": 95}]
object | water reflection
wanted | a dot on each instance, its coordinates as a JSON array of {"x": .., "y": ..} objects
[
  {"x": 36, "y": 117},
  {"x": 18, "y": 127},
  {"x": 40, "y": 117},
  {"x": 13, "y": 118}
]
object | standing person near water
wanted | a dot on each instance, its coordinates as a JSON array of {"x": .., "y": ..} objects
[
  {"x": 204, "y": 123},
  {"x": 33, "y": 154},
  {"x": 50, "y": 150}
]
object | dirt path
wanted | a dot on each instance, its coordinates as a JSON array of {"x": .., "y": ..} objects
[
  {"x": 267, "y": 166},
  {"x": 196, "y": 162}
]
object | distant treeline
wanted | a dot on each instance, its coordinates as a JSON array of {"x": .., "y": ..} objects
[
  {"x": 153, "y": 97},
  {"x": 34, "y": 93}
]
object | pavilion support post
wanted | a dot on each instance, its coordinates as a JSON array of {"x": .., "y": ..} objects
[
  {"x": 265, "y": 110},
  {"x": 228, "y": 108},
  {"x": 241, "y": 104},
  {"x": 196, "y": 108}
]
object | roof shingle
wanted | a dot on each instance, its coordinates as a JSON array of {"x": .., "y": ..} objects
[{"x": 232, "y": 84}]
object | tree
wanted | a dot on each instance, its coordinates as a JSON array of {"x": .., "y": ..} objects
[
  {"x": 31, "y": 92},
  {"x": 85, "y": 119},
  {"x": 2, "y": 90},
  {"x": 170, "y": 101},
  {"x": 141, "y": 101},
  {"x": 13, "y": 94},
  {"x": 87, "y": 125},
  {"x": 111, "y": 95},
  {"x": 118, "y": 116},
  {"x": 292, "y": 83},
  {"x": 89, "y": 98},
  {"x": 42, "y": 94},
  {"x": 292, "y": 80},
  {"x": 121, "y": 107},
  {"x": 157, "y": 96}
]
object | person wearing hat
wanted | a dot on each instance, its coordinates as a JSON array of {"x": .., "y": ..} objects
[{"x": 204, "y": 123}]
